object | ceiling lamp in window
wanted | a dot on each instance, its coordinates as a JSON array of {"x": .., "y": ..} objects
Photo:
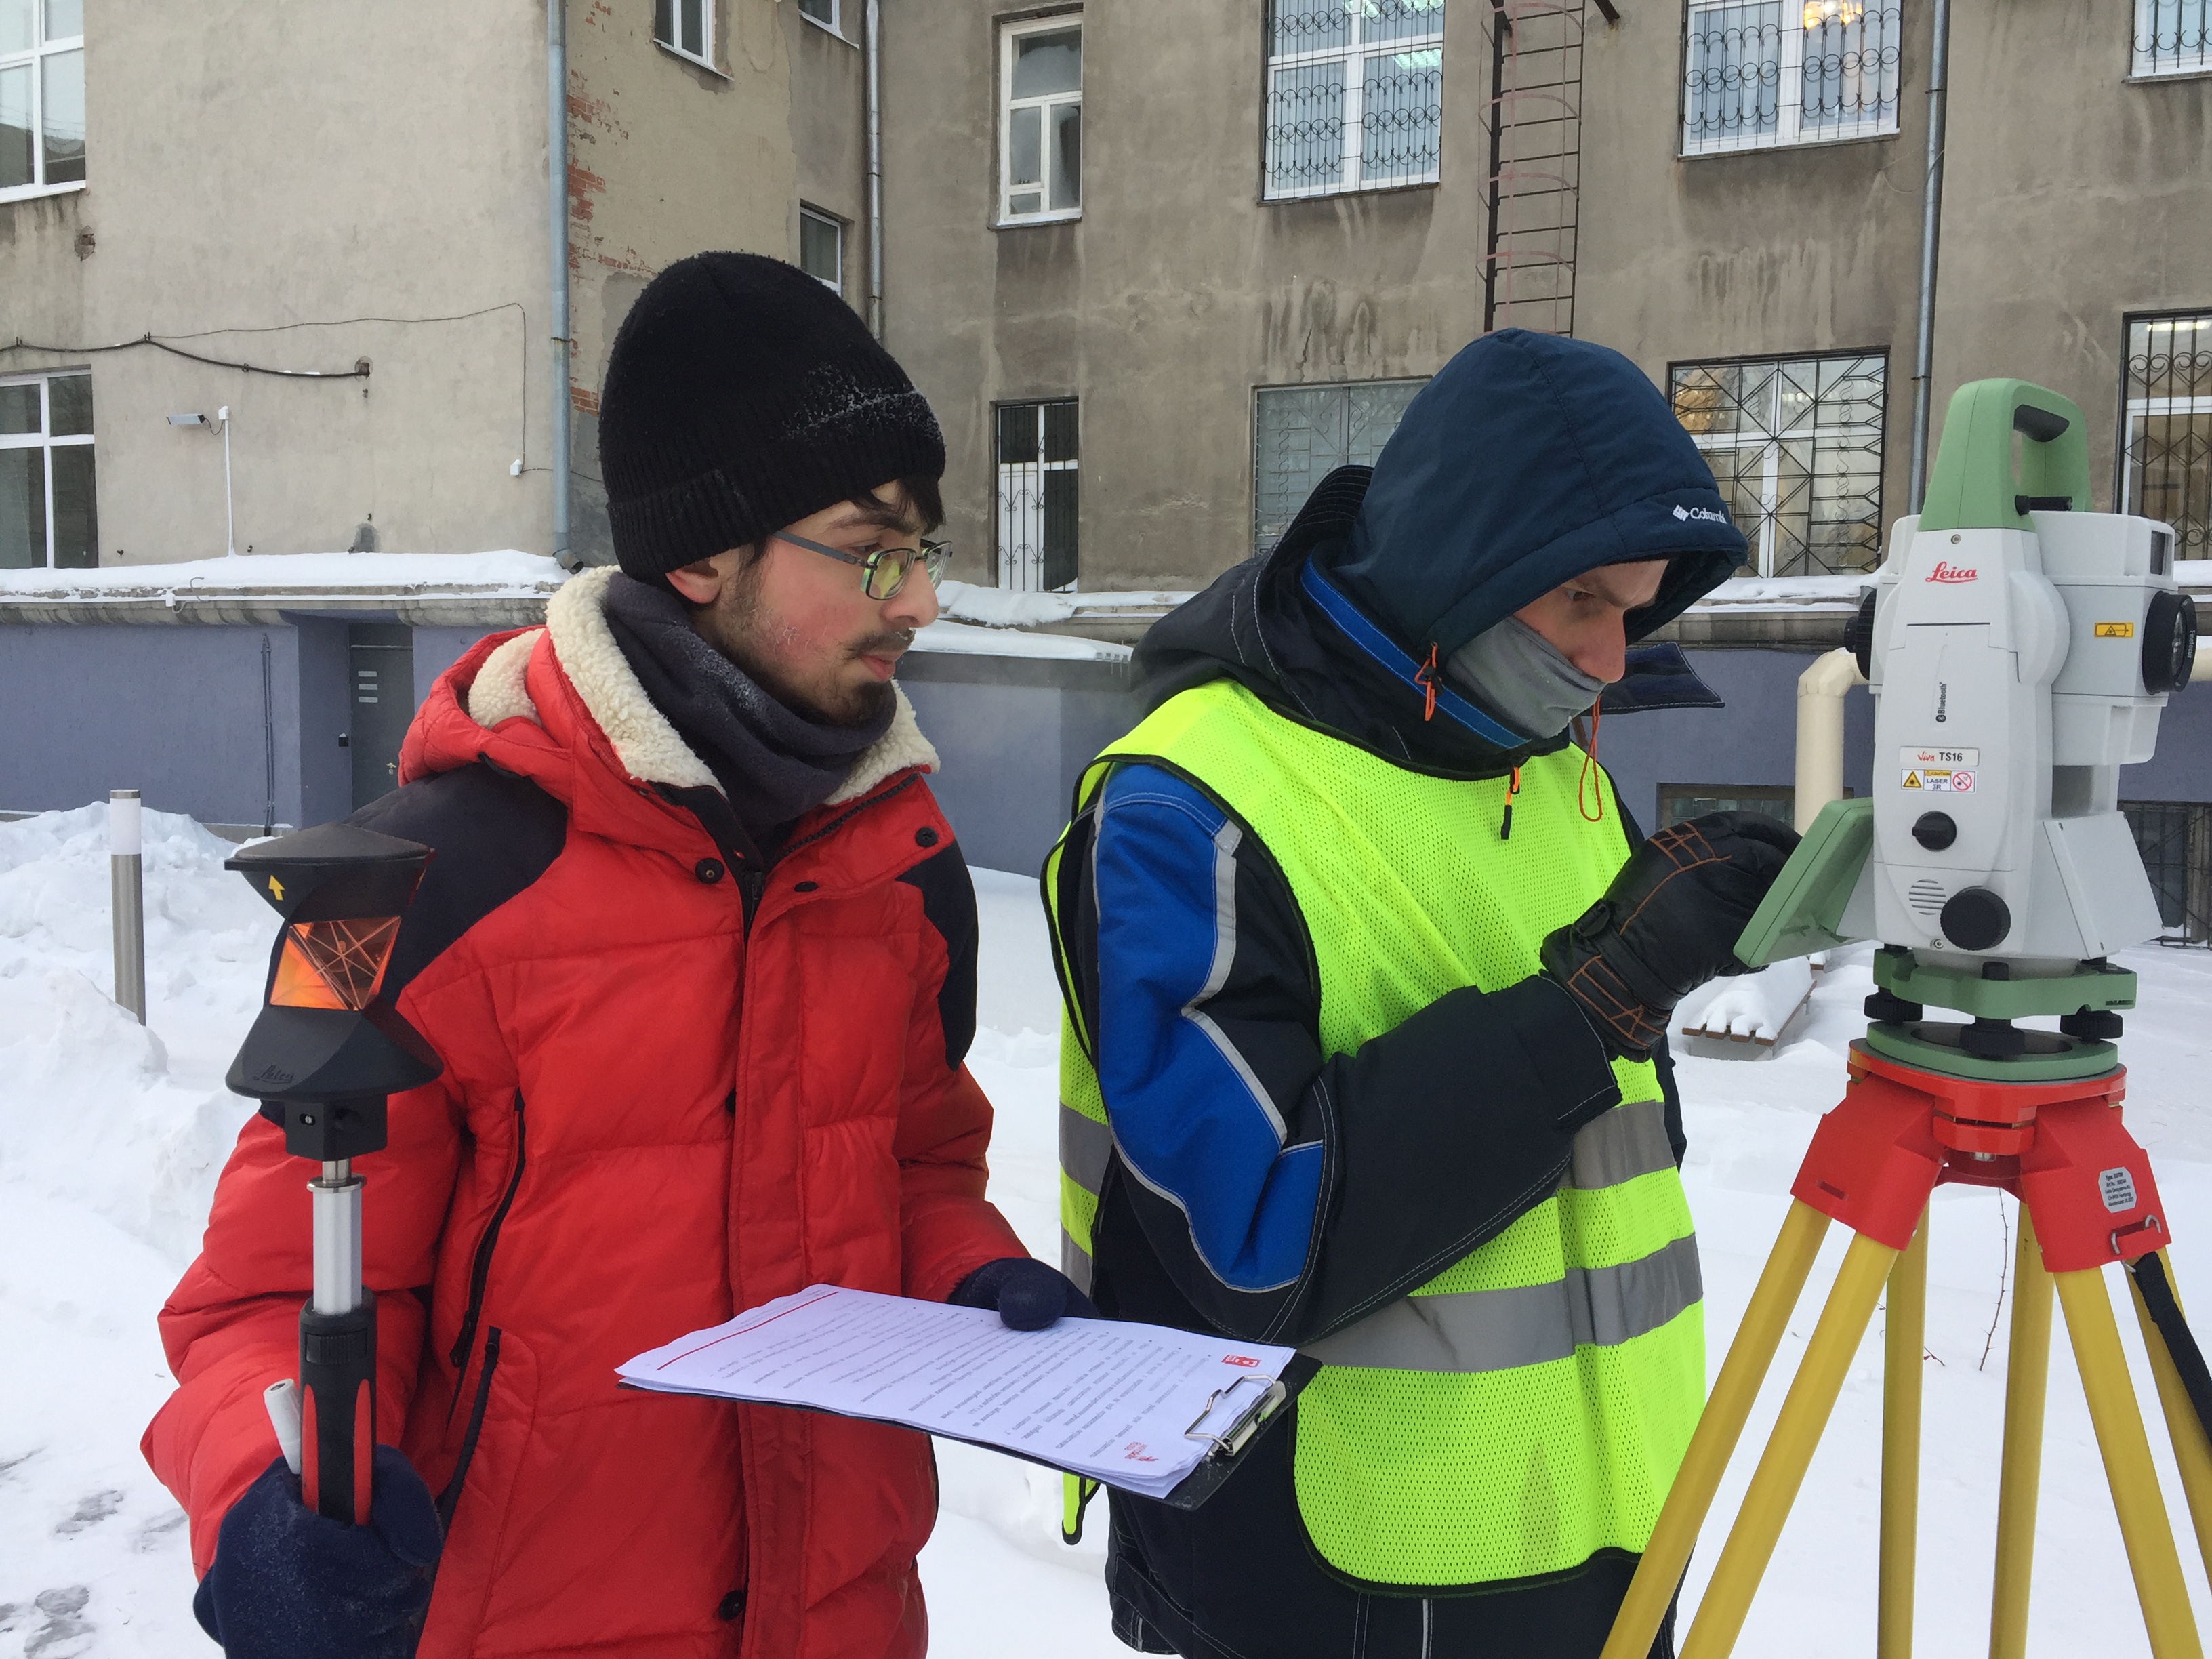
[{"x": 1818, "y": 14}]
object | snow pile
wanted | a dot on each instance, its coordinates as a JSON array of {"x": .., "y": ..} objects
[
  {"x": 1002, "y": 607},
  {"x": 109, "y": 1134},
  {"x": 1755, "y": 1006},
  {"x": 505, "y": 571},
  {"x": 1788, "y": 590},
  {"x": 967, "y": 640}
]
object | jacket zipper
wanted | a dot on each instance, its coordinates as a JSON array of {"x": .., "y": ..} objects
[
  {"x": 451, "y": 1497},
  {"x": 480, "y": 1268}
]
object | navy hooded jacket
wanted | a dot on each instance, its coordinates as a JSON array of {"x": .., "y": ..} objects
[{"x": 1257, "y": 1186}]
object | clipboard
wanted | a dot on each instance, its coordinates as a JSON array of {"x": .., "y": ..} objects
[{"x": 1245, "y": 1422}]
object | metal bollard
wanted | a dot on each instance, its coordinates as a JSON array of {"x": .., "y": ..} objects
[{"x": 128, "y": 909}]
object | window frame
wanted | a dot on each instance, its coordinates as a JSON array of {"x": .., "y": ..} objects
[
  {"x": 835, "y": 25},
  {"x": 1002, "y": 508},
  {"x": 2199, "y": 401},
  {"x": 2183, "y": 66},
  {"x": 806, "y": 211},
  {"x": 34, "y": 57},
  {"x": 704, "y": 56},
  {"x": 1352, "y": 54},
  {"x": 45, "y": 441},
  {"x": 1261, "y": 541},
  {"x": 1010, "y": 31},
  {"x": 1761, "y": 539},
  {"x": 1789, "y": 131}
]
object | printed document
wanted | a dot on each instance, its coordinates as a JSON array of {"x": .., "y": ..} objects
[{"x": 1132, "y": 1406}]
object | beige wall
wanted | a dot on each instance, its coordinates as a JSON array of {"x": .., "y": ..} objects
[
  {"x": 1176, "y": 292},
  {"x": 830, "y": 132},
  {"x": 255, "y": 172}
]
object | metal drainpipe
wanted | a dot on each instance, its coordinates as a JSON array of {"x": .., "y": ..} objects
[
  {"x": 874, "y": 46},
  {"x": 557, "y": 237},
  {"x": 1931, "y": 218}
]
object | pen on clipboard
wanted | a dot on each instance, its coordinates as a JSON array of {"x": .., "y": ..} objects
[{"x": 283, "y": 1400}]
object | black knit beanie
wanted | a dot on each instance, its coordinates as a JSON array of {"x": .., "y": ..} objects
[{"x": 741, "y": 396}]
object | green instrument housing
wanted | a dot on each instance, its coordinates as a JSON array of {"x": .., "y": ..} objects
[{"x": 1980, "y": 483}]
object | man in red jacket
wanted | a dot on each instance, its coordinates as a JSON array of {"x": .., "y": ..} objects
[{"x": 698, "y": 951}]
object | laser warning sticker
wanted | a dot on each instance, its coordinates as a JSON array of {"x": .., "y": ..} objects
[
  {"x": 2116, "y": 630},
  {"x": 1940, "y": 780},
  {"x": 2117, "y": 1189}
]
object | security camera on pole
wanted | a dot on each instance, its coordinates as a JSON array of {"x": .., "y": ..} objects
[
  {"x": 324, "y": 1054},
  {"x": 2021, "y": 650}
]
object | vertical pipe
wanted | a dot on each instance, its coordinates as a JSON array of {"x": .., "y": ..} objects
[
  {"x": 127, "y": 910},
  {"x": 557, "y": 237},
  {"x": 1931, "y": 217},
  {"x": 874, "y": 48},
  {"x": 1820, "y": 733},
  {"x": 268, "y": 739},
  {"x": 230, "y": 515}
]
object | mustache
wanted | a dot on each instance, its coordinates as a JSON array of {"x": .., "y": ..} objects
[{"x": 892, "y": 642}]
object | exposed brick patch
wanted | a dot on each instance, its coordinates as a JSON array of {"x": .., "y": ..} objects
[{"x": 583, "y": 402}]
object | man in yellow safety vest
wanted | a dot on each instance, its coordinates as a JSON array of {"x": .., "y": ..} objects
[{"x": 1367, "y": 979}]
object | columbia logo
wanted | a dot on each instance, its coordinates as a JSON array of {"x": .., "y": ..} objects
[{"x": 1706, "y": 513}]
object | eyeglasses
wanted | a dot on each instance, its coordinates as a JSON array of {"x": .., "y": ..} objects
[{"x": 883, "y": 572}]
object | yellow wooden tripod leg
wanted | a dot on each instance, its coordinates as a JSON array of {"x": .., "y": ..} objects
[
  {"x": 1805, "y": 1413},
  {"x": 2027, "y": 1376},
  {"x": 2126, "y": 1448},
  {"x": 1903, "y": 1341},
  {"x": 1721, "y": 1426},
  {"x": 2190, "y": 1450}
]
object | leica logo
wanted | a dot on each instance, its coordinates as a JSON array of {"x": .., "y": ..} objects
[{"x": 1951, "y": 573}]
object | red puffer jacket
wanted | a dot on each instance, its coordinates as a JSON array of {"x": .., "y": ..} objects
[{"x": 653, "y": 1115}]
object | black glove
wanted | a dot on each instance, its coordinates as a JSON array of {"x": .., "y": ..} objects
[
  {"x": 1028, "y": 1294},
  {"x": 287, "y": 1581},
  {"x": 1669, "y": 923}
]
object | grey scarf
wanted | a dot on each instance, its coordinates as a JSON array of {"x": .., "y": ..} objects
[
  {"x": 1522, "y": 678},
  {"x": 772, "y": 762}
]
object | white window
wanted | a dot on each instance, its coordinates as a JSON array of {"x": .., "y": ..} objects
[
  {"x": 1795, "y": 446},
  {"x": 824, "y": 12},
  {"x": 822, "y": 247},
  {"x": 684, "y": 26},
  {"x": 2165, "y": 470},
  {"x": 1037, "y": 497},
  {"x": 47, "y": 511},
  {"x": 1302, "y": 434},
  {"x": 1788, "y": 72},
  {"x": 41, "y": 95},
  {"x": 2171, "y": 36},
  {"x": 1041, "y": 120},
  {"x": 1355, "y": 95}
]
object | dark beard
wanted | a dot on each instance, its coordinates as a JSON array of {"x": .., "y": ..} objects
[{"x": 733, "y": 623}]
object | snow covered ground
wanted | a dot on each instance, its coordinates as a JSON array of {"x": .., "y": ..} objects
[{"x": 110, "y": 1137}]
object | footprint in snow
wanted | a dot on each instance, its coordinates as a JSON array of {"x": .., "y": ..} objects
[
  {"x": 61, "y": 1608},
  {"x": 149, "y": 1536},
  {"x": 91, "y": 1511}
]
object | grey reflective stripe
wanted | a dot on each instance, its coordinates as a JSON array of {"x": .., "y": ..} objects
[
  {"x": 1073, "y": 1262},
  {"x": 1497, "y": 1330},
  {"x": 1084, "y": 1146},
  {"x": 1620, "y": 1145}
]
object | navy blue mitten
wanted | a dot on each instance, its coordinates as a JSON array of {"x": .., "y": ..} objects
[
  {"x": 287, "y": 1581},
  {"x": 1028, "y": 1295}
]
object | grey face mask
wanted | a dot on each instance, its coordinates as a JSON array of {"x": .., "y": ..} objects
[{"x": 1522, "y": 678}]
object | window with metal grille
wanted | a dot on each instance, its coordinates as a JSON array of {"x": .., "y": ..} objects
[
  {"x": 2165, "y": 441},
  {"x": 2172, "y": 37},
  {"x": 1041, "y": 120},
  {"x": 2175, "y": 839},
  {"x": 41, "y": 96},
  {"x": 822, "y": 248},
  {"x": 1788, "y": 72},
  {"x": 48, "y": 514},
  {"x": 686, "y": 27},
  {"x": 1355, "y": 95},
  {"x": 1795, "y": 444},
  {"x": 1301, "y": 433},
  {"x": 1037, "y": 497}
]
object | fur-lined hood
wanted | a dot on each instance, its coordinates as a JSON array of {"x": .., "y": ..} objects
[{"x": 560, "y": 705}]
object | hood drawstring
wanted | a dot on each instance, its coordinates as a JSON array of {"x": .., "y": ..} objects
[
  {"x": 1426, "y": 677},
  {"x": 1512, "y": 788},
  {"x": 1590, "y": 760}
]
